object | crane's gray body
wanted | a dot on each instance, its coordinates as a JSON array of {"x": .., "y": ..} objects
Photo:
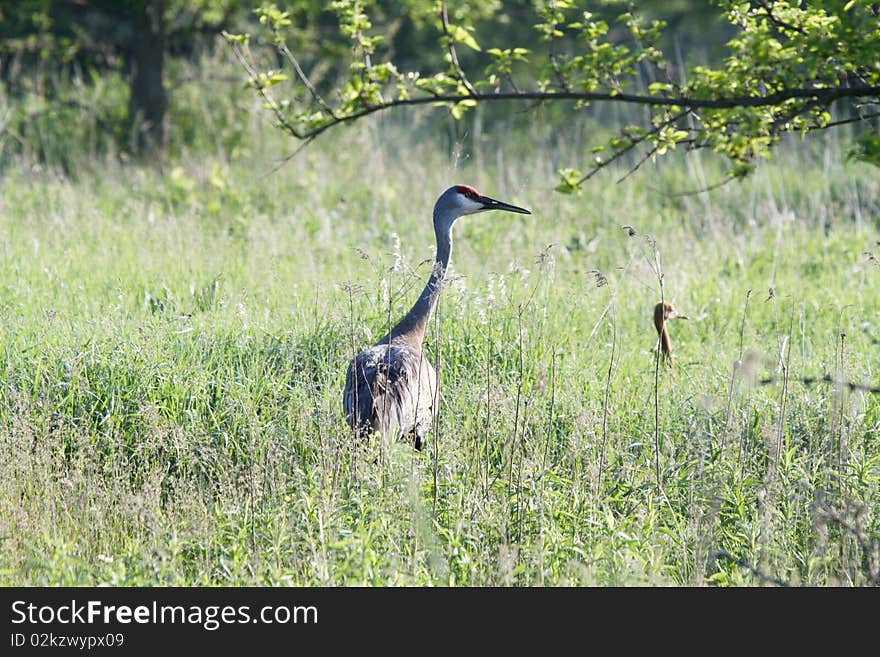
[{"x": 391, "y": 387}]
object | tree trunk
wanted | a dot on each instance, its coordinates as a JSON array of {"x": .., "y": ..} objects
[{"x": 149, "y": 99}]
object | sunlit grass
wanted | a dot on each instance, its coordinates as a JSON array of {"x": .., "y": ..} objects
[{"x": 174, "y": 347}]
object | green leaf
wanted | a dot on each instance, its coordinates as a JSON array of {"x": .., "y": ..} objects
[
  {"x": 659, "y": 87},
  {"x": 460, "y": 34}
]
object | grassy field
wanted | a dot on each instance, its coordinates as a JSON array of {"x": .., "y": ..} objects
[{"x": 174, "y": 345}]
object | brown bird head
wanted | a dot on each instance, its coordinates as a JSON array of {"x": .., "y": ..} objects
[{"x": 664, "y": 311}]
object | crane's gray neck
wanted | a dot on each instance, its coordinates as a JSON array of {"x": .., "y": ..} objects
[{"x": 412, "y": 328}]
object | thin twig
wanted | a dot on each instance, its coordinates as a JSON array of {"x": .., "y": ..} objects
[
  {"x": 554, "y": 62},
  {"x": 453, "y": 56},
  {"x": 854, "y": 119},
  {"x": 356, "y": 419},
  {"x": 780, "y": 429},
  {"x": 736, "y": 365},
  {"x": 305, "y": 79},
  {"x": 659, "y": 273},
  {"x": 287, "y": 158},
  {"x": 638, "y": 164},
  {"x": 635, "y": 142},
  {"x": 778, "y": 22},
  {"x": 826, "y": 378},
  {"x": 605, "y": 402},
  {"x": 550, "y": 422},
  {"x": 779, "y": 125},
  {"x": 488, "y": 402},
  {"x": 243, "y": 56},
  {"x": 694, "y": 192},
  {"x": 519, "y": 388},
  {"x": 840, "y": 399},
  {"x": 436, "y": 427}
]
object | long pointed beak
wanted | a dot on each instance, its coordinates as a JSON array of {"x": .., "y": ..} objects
[
  {"x": 677, "y": 315},
  {"x": 492, "y": 204}
]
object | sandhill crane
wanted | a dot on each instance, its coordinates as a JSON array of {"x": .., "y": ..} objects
[
  {"x": 391, "y": 387},
  {"x": 664, "y": 311}
]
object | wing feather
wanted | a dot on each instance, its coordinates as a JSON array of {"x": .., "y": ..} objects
[{"x": 390, "y": 389}]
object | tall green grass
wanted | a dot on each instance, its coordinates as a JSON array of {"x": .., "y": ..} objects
[{"x": 174, "y": 344}]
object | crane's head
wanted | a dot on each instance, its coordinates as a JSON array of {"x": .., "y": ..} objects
[
  {"x": 664, "y": 311},
  {"x": 460, "y": 200}
]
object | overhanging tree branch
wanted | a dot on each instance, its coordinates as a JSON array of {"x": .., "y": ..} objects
[
  {"x": 824, "y": 96},
  {"x": 789, "y": 66}
]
